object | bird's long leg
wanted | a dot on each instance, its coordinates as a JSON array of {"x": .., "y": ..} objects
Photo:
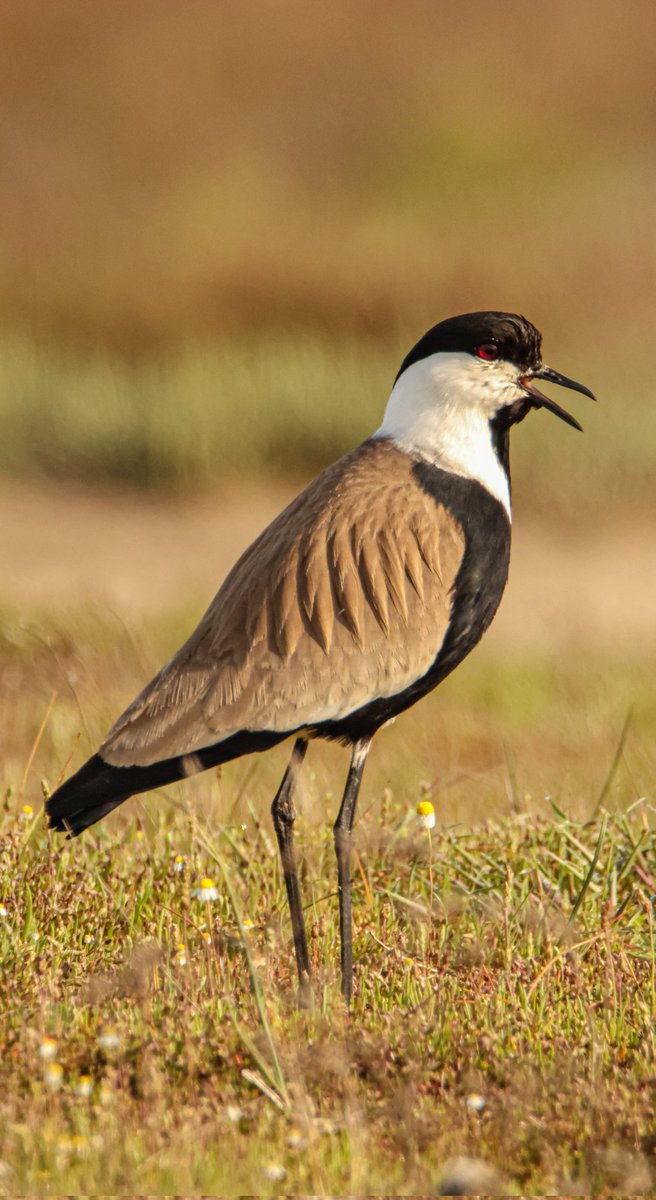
[
  {"x": 342, "y": 832},
  {"x": 283, "y": 813}
]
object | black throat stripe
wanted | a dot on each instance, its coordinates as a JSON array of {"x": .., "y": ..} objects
[{"x": 477, "y": 592}]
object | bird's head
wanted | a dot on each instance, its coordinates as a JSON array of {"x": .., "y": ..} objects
[
  {"x": 463, "y": 385},
  {"x": 490, "y": 361}
]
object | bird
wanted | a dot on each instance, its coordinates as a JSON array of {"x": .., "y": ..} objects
[{"x": 355, "y": 602}]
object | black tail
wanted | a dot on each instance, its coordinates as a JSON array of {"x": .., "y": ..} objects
[{"x": 98, "y": 787}]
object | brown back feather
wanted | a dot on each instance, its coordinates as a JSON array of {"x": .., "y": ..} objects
[{"x": 345, "y": 597}]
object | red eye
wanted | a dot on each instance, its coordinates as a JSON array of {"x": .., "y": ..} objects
[{"x": 488, "y": 351}]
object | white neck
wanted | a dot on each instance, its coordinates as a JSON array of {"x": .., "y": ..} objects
[{"x": 440, "y": 408}]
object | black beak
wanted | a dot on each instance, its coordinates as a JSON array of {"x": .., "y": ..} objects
[{"x": 542, "y": 401}]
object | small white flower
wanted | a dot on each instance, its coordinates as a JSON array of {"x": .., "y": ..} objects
[
  {"x": 325, "y": 1127},
  {"x": 475, "y": 1102},
  {"x": 48, "y": 1049},
  {"x": 26, "y": 812},
  {"x": 295, "y": 1139},
  {"x": 234, "y": 1113},
  {"x": 181, "y": 955},
  {"x": 108, "y": 1039},
  {"x": 54, "y": 1075},
  {"x": 247, "y": 925},
  {"x": 4, "y": 911},
  {"x": 84, "y": 1086},
  {"x": 425, "y": 815},
  {"x": 205, "y": 891},
  {"x": 275, "y": 1171},
  {"x": 63, "y": 1147},
  {"x": 179, "y": 863}
]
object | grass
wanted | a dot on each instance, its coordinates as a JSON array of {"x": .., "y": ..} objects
[{"x": 506, "y": 976}]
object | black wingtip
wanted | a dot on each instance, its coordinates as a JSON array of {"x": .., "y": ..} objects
[
  {"x": 88, "y": 796},
  {"x": 98, "y": 787}
]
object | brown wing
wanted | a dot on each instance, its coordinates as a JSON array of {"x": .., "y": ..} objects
[{"x": 344, "y": 598}]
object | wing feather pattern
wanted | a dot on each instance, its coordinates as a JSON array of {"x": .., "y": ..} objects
[
  {"x": 344, "y": 598},
  {"x": 347, "y": 593}
]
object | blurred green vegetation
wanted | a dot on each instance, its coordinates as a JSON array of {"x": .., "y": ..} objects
[
  {"x": 287, "y": 405},
  {"x": 221, "y": 229}
]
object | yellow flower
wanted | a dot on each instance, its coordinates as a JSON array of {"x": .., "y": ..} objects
[
  {"x": 26, "y": 812},
  {"x": 181, "y": 955},
  {"x": 84, "y": 1086},
  {"x": 206, "y": 890},
  {"x": 247, "y": 925},
  {"x": 179, "y": 863},
  {"x": 425, "y": 815}
]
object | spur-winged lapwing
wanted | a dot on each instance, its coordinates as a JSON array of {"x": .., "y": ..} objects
[{"x": 354, "y": 603}]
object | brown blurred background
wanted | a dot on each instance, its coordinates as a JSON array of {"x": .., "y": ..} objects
[
  {"x": 222, "y": 225},
  {"x": 212, "y": 212},
  {"x": 190, "y": 170}
]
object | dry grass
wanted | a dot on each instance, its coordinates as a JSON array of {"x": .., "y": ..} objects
[{"x": 506, "y": 986}]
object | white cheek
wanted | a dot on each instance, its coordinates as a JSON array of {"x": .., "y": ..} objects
[
  {"x": 441, "y": 408},
  {"x": 470, "y": 383}
]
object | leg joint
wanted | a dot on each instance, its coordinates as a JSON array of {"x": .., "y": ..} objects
[
  {"x": 282, "y": 809},
  {"x": 343, "y": 838}
]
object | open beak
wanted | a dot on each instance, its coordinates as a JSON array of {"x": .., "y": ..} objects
[{"x": 542, "y": 401}]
